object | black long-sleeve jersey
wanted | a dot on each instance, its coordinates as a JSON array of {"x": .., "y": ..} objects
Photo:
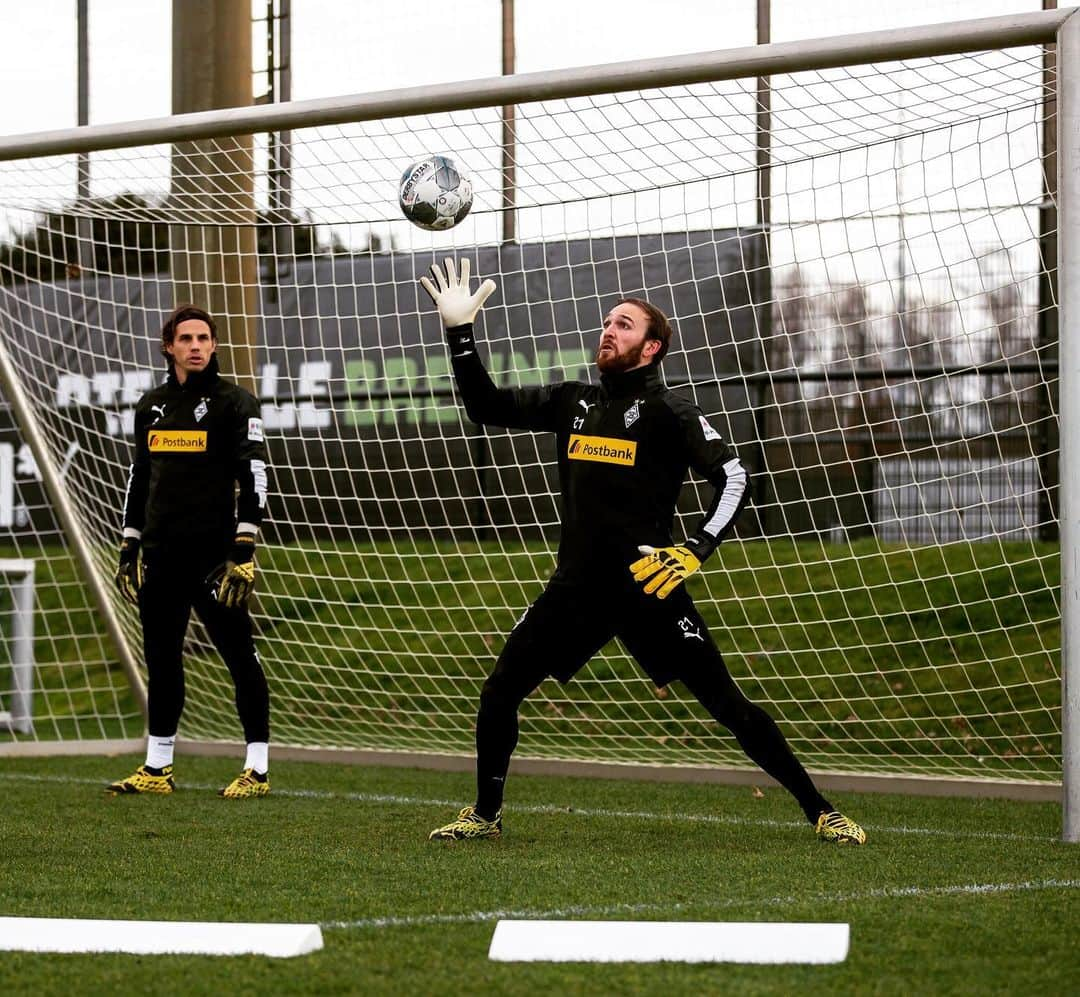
[
  {"x": 624, "y": 448},
  {"x": 194, "y": 443}
]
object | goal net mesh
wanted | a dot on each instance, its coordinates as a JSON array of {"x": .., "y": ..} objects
[{"x": 881, "y": 355}]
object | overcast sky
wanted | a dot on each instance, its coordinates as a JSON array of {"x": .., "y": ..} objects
[{"x": 346, "y": 47}]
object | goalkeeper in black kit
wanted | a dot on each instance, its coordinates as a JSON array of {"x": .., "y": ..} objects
[
  {"x": 624, "y": 448},
  {"x": 195, "y": 498}
]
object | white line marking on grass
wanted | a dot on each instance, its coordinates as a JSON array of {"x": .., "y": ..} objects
[
  {"x": 561, "y": 913},
  {"x": 551, "y": 809}
]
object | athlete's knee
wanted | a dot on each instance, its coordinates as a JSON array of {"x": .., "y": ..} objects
[
  {"x": 718, "y": 693},
  {"x": 500, "y": 695}
]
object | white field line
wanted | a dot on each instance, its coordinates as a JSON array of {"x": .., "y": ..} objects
[
  {"x": 585, "y": 911},
  {"x": 547, "y": 808},
  {"x": 885, "y": 893}
]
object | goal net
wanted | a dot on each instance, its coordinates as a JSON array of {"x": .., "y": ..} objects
[{"x": 868, "y": 318}]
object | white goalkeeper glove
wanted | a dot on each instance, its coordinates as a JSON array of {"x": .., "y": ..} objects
[{"x": 451, "y": 296}]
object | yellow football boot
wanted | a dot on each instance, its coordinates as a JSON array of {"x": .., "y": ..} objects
[
  {"x": 144, "y": 780},
  {"x": 469, "y": 825},
  {"x": 247, "y": 783},
  {"x": 834, "y": 826}
]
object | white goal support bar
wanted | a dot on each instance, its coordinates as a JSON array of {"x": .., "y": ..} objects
[{"x": 19, "y": 715}]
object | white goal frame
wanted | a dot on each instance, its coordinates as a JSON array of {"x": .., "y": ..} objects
[{"x": 1049, "y": 27}]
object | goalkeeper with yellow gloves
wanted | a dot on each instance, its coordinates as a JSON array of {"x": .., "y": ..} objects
[
  {"x": 195, "y": 498},
  {"x": 624, "y": 447}
]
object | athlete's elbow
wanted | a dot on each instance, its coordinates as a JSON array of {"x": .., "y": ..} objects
[
  {"x": 735, "y": 478},
  {"x": 481, "y": 409},
  {"x": 476, "y": 413}
]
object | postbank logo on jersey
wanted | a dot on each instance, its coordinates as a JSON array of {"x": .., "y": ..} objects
[
  {"x": 602, "y": 449},
  {"x": 176, "y": 440}
]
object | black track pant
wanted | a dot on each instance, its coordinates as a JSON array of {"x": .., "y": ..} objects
[
  {"x": 567, "y": 625},
  {"x": 174, "y": 584}
]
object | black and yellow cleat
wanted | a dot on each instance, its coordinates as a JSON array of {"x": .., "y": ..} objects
[
  {"x": 469, "y": 825},
  {"x": 144, "y": 780},
  {"x": 835, "y": 827},
  {"x": 247, "y": 783}
]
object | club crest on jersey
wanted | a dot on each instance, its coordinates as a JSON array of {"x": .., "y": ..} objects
[
  {"x": 201, "y": 409},
  {"x": 710, "y": 433},
  {"x": 602, "y": 449},
  {"x": 632, "y": 414}
]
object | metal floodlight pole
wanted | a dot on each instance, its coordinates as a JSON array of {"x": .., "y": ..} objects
[
  {"x": 509, "y": 152},
  {"x": 83, "y": 230},
  {"x": 1068, "y": 174}
]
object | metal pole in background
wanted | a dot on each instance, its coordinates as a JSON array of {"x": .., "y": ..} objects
[
  {"x": 279, "y": 90},
  {"x": 481, "y": 450},
  {"x": 213, "y": 253},
  {"x": 762, "y": 283},
  {"x": 764, "y": 124},
  {"x": 1068, "y": 181},
  {"x": 83, "y": 231},
  {"x": 1048, "y": 435},
  {"x": 509, "y": 180}
]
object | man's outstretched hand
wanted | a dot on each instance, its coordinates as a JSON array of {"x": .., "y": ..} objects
[
  {"x": 451, "y": 293},
  {"x": 664, "y": 568}
]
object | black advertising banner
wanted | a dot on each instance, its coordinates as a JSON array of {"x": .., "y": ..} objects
[{"x": 354, "y": 380}]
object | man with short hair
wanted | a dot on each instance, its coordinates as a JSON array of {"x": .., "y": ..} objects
[
  {"x": 197, "y": 437},
  {"x": 624, "y": 447}
]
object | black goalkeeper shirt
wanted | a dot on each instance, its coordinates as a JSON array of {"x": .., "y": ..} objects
[
  {"x": 195, "y": 443},
  {"x": 624, "y": 448}
]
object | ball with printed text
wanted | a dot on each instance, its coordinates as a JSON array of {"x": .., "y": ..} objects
[{"x": 434, "y": 194}]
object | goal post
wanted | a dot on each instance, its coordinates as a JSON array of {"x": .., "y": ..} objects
[
  {"x": 1068, "y": 188},
  {"x": 897, "y": 597}
]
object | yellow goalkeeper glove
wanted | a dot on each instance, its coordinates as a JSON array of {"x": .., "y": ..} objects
[
  {"x": 238, "y": 573},
  {"x": 129, "y": 572},
  {"x": 665, "y": 567}
]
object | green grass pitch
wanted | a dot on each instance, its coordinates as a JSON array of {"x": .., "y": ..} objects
[{"x": 949, "y": 895}]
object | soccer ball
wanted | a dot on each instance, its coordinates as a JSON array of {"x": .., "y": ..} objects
[{"x": 434, "y": 195}]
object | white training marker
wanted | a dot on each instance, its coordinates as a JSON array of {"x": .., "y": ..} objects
[
  {"x": 63, "y": 934},
  {"x": 668, "y": 941}
]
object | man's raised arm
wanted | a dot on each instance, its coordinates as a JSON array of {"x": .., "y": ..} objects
[{"x": 485, "y": 403}]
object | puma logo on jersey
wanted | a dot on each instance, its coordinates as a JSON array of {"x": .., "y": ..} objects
[
  {"x": 586, "y": 405},
  {"x": 160, "y": 409},
  {"x": 686, "y": 625}
]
